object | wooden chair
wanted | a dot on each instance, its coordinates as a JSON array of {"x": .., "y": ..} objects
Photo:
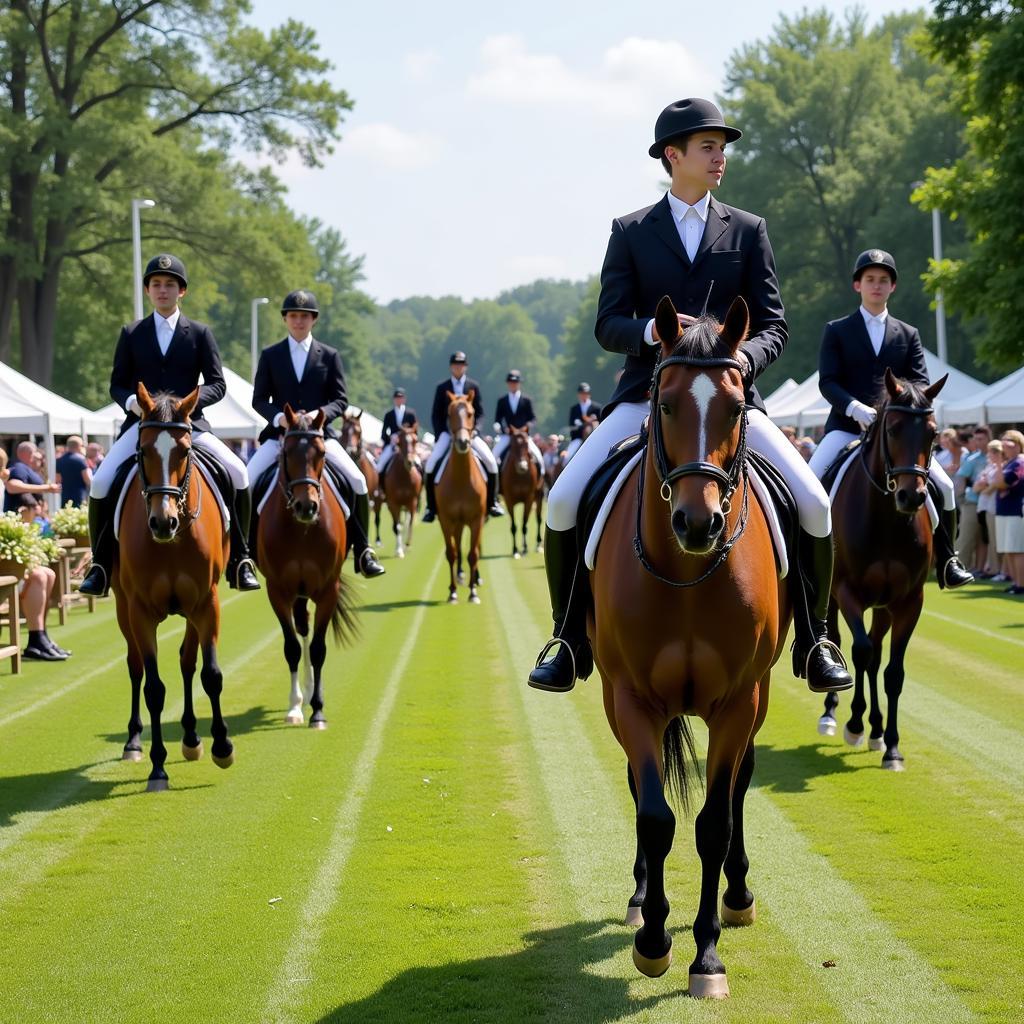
[{"x": 10, "y": 616}]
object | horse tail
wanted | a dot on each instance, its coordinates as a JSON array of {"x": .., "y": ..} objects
[
  {"x": 677, "y": 750},
  {"x": 343, "y": 617}
]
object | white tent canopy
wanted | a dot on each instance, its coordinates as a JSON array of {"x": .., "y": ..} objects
[
  {"x": 1001, "y": 402},
  {"x": 53, "y": 414},
  {"x": 787, "y": 387}
]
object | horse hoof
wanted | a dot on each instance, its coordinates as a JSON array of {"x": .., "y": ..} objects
[
  {"x": 461, "y": 577},
  {"x": 893, "y": 764},
  {"x": 474, "y": 598},
  {"x": 634, "y": 917},
  {"x": 709, "y": 986},
  {"x": 294, "y": 718},
  {"x": 399, "y": 554},
  {"x": 453, "y": 598},
  {"x": 876, "y": 743},
  {"x": 827, "y": 726},
  {"x": 516, "y": 555},
  {"x": 736, "y": 919},
  {"x": 853, "y": 739},
  {"x": 652, "y": 968},
  {"x": 131, "y": 755},
  {"x": 192, "y": 753},
  {"x": 540, "y": 549},
  {"x": 224, "y": 762},
  {"x": 318, "y": 723},
  {"x": 157, "y": 785}
]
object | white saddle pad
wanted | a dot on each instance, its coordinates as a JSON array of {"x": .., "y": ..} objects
[{"x": 225, "y": 515}]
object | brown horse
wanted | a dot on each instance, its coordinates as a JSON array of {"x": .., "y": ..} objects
[
  {"x": 173, "y": 549},
  {"x": 462, "y": 496},
  {"x": 883, "y": 553},
  {"x": 689, "y": 617},
  {"x": 301, "y": 544},
  {"x": 352, "y": 442},
  {"x": 521, "y": 484},
  {"x": 401, "y": 485}
]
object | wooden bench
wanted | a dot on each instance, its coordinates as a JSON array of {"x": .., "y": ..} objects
[{"x": 10, "y": 616}]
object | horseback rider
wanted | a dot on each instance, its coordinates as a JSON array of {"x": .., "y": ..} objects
[
  {"x": 702, "y": 254},
  {"x": 308, "y": 375},
  {"x": 458, "y": 384},
  {"x": 515, "y": 410},
  {"x": 578, "y": 415},
  {"x": 166, "y": 351},
  {"x": 401, "y": 415},
  {"x": 855, "y": 352}
]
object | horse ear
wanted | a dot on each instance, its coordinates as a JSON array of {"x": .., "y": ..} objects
[
  {"x": 187, "y": 405},
  {"x": 892, "y": 385},
  {"x": 933, "y": 389},
  {"x": 146, "y": 403},
  {"x": 289, "y": 414},
  {"x": 471, "y": 395},
  {"x": 358, "y": 415},
  {"x": 451, "y": 396},
  {"x": 318, "y": 420},
  {"x": 737, "y": 323},
  {"x": 667, "y": 322}
]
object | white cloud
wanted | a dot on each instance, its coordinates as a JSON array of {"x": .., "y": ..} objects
[
  {"x": 384, "y": 143},
  {"x": 636, "y": 77},
  {"x": 420, "y": 64}
]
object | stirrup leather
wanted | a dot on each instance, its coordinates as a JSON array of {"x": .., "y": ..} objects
[
  {"x": 825, "y": 642},
  {"x": 554, "y": 642}
]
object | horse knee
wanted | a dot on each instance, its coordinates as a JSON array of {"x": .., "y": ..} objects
[{"x": 655, "y": 829}]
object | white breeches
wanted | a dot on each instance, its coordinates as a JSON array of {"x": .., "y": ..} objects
[
  {"x": 626, "y": 419},
  {"x": 443, "y": 443},
  {"x": 267, "y": 453},
  {"x": 836, "y": 440},
  {"x": 124, "y": 447},
  {"x": 505, "y": 440}
]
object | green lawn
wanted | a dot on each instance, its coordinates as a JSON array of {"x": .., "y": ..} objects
[{"x": 459, "y": 847}]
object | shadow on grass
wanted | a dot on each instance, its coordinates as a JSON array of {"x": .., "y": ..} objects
[
  {"x": 551, "y": 979},
  {"x": 389, "y": 606},
  {"x": 788, "y": 769},
  {"x": 257, "y": 719}
]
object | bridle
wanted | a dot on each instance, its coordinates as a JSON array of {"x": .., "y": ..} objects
[
  {"x": 180, "y": 493},
  {"x": 355, "y": 451},
  {"x": 288, "y": 484},
  {"x": 891, "y": 471},
  {"x": 470, "y": 431},
  {"x": 668, "y": 475}
]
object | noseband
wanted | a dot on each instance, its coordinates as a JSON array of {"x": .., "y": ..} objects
[
  {"x": 287, "y": 484},
  {"x": 891, "y": 471},
  {"x": 727, "y": 481},
  {"x": 178, "y": 493}
]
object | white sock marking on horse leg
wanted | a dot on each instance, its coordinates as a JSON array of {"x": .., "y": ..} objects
[{"x": 703, "y": 390}]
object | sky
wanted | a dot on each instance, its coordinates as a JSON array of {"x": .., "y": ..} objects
[{"x": 493, "y": 144}]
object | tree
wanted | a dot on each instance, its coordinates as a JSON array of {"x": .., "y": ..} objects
[
  {"x": 97, "y": 97},
  {"x": 550, "y": 303},
  {"x": 982, "y": 41}
]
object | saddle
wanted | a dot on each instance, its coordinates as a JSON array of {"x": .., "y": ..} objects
[
  {"x": 447, "y": 456},
  {"x": 831, "y": 476}
]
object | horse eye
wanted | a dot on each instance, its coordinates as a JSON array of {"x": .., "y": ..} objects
[{"x": 665, "y": 410}]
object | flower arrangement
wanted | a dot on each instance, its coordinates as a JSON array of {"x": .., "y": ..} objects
[
  {"x": 23, "y": 547},
  {"x": 71, "y": 521}
]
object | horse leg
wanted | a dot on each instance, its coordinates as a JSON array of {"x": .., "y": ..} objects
[
  {"x": 475, "y": 530},
  {"x": 207, "y": 623},
  {"x": 634, "y": 915},
  {"x": 527, "y": 509},
  {"x": 538, "y": 518},
  {"x": 292, "y": 650},
  {"x": 738, "y": 907},
  {"x": 453, "y": 553},
  {"x": 377, "y": 502},
  {"x": 300, "y": 615},
  {"x": 512, "y": 527},
  {"x": 191, "y": 744},
  {"x": 133, "y": 748},
  {"x": 318, "y": 654},
  {"x": 144, "y": 631},
  {"x": 396, "y": 527},
  {"x": 827, "y": 724},
  {"x": 904, "y": 620},
  {"x": 853, "y": 731},
  {"x": 881, "y": 620}
]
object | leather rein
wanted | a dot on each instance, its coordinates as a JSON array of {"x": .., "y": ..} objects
[{"x": 891, "y": 471}]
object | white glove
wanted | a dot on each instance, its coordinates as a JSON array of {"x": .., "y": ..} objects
[
  {"x": 132, "y": 405},
  {"x": 862, "y": 413}
]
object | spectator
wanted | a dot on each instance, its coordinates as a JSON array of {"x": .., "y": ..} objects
[
  {"x": 806, "y": 447},
  {"x": 73, "y": 473},
  {"x": 93, "y": 455},
  {"x": 790, "y": 433},
  {"x": 4, "y": 471},
  {"x": 32, "y": 510},
  {"x": 1010, "y": 508},
  {"x": 971, "y": 465},
  {"x": 985, "y": 489},
  {"x": 949, "y": 454},
  {"x": 24, "y": 479}
]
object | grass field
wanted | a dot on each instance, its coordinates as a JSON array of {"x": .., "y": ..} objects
[{"x": 459, "y": 847}]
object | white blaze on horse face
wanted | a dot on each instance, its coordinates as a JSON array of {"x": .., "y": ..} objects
[
  {"x": 703, "y": 390},
  {"x": 164, "y": 445}
]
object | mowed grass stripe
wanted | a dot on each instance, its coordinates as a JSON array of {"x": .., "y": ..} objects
[{"x": 293, "y": 976}]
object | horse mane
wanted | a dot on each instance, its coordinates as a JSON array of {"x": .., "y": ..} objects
[
  {"x": 163, "y": 407},
  {"x": 911, "y": 397},
  {"x": 304, "y": 421},
  {"x": 703, "y": 340}
]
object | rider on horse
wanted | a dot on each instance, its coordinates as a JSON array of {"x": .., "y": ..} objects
[
  {"x": 855, "y": 353},
  {"x": 702, "y": 254},
  {"x": 458, "y": 384},
  {"x": 308, "y": 375},
  {"x": 167, "y": 352},
  {"x": 583, "y": 411},
  {"x": 515, "y": 410},
  {"x": 394, "y": 419}
]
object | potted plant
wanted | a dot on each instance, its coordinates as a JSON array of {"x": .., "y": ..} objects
[{"x": 72, "y": 521}]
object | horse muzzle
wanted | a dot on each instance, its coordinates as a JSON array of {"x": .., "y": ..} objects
[
  {"x": 163, "y": 529},
  {"x": 522, "y": 467},
  {"x": 909, "y": 500},
  {"x": 306, "y": 511},
  {"x": 461, "y": 443},
  {"x": 697, "y": 534}
]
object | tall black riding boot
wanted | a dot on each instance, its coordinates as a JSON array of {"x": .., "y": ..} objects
[
  {"x": 359, "y": 526},
  {"x": 101, "y": 539},
  {"x": 569, "y": 587},
  {"x": 949, "y": 570},
  {"x": 493, "y": 508},
  {"x": 431, "y": 513},
  {"x": 241, "y": 572},
  {"x": 815, "y": 657}
]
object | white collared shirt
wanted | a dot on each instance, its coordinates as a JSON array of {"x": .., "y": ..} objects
[
  {"x": 299, "y": 351},
  {"x": 165, "y": 328},
  {"x": 584, "y": 408},
  {"x": 875, "y": 326},
  {"x": 513, "y": 400},
  {"x": 399, "y": 414},
  {"x": 459, "y": 385}
]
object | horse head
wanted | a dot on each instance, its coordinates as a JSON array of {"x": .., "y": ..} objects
[
  {"x": 405, "y": 445},
  {"x": 519, "y": 448},
  {"x": 164, "y": 457},
  {"x": 900, "y": 440},
  {"x": 698, "y": 422},
  {"x": 352, "y": 433},
  {"x": 461, "y": 420},
  {"x": 303, "y": 452}
]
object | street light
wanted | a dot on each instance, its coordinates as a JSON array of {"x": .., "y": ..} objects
[
  {"x": 254, "y": 331},
  {"x": 940, "y": 306},
  {"x": 138, "y": 204}
]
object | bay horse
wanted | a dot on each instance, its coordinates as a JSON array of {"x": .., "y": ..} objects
[
  {"x": 521, "y": 483},
  {"x": 173, "y": 548},
  {"x": 688, "y": 618},
  {"x": 462, "y": 496},
  {"x": 883, "y": 539},
  {"x": 300, "y": 547},
  {"x": 401, "y": 486},
  {"x": 352, "y": 442}
]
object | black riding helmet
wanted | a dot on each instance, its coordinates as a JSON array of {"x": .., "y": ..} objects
[
  {"x": 165, "y": 263},
  {"x": 874, "y": 258},
  {"x": 300, "y": 301}
]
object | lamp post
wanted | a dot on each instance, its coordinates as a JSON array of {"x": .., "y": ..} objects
[
  {"x": 940, "y": 308},
  {"x": 138, "y": 204},
  {"x": 254, "y": 332}
]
